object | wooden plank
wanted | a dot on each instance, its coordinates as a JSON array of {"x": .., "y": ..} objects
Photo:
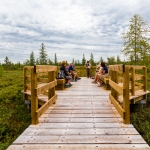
[
  {"x": 42, "y": 109},
  {"x": 96, "y": 146},
  {"x": 90, "y": 131},
  {"x": 43, "y": 80},
  {"x": 79, "y": 111},
  {"x": 45, "y": 86},
  {"x": 117, "y": 106},
  {"x": 80, "y": 115},
  {"x": 100, "y": 120},
  {"x": 61, "y": 81},
  {"x": 136, "y": 67},
  {"x": 116, "y": 87},
  {"x": 109, "y": 139},
  {"x": 45, "y": 68},
  {"x": 118, "y": 68}
]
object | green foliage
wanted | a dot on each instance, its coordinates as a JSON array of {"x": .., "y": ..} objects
[
  {"x": 43, "y": 55},
  {"x": 136, "y": 45},
  {"x": 15, "y": 116},
  {"x": 1, "y": 71},
  {"x": 83, "y": 60},
  {"x": 32, "y": 59}
]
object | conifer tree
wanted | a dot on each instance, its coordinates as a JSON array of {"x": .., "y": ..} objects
[
  {"x": 92, "y": 59},
  {"x": 136, "y": 39},
  {"x": 32, "y": 59},
  {"x": 55, "y": 60},
  {"x": 43, "y": 55},
  {"x": 83, "y": 60}
]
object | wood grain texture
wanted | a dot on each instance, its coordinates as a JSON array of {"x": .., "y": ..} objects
[{"x": 82, "y": 118}]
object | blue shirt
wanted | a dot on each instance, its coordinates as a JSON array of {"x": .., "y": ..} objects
[{"x": 106, "y": 69}]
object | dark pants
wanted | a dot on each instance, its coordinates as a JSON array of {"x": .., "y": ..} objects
[{"x": 88, "y": 70}]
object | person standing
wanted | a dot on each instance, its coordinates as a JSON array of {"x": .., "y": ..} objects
[{"x": 88, "y": 69}]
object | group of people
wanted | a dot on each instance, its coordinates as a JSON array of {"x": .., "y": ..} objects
[
  {"x": 100, "y": 74},
  {"x": 69, "y": 72},
  {"x": 72, "y": 76}
]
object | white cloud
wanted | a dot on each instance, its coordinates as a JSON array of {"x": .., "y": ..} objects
[{"x": 68, "y": 28}]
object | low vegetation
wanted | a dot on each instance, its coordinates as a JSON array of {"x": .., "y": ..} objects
[{"x": 15, "y": 116}]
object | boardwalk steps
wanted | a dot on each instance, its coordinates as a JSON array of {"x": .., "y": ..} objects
[{"x": 82, "y": 118}]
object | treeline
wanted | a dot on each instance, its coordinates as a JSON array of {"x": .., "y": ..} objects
[
  {"x": 44, "y": 60},
  {"x": 136, "y": 49}
]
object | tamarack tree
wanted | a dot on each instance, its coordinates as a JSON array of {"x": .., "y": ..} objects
[{"x": 136, "y": 45}]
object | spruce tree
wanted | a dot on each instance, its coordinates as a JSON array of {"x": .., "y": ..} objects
[
  {"x": 83, "y": 60},
  {"x": 32, "y": 59},
  {"x": 43, "y": 55}
]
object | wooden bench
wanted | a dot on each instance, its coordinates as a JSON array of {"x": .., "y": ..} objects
[
  {"x": 106, "y": 81},
  {"x": 60, "y": 84}
]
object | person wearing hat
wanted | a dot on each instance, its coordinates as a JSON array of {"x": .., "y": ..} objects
[{"x": 66, "y": 73}]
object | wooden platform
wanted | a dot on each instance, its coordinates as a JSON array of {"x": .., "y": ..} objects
[{"x": 82, "y": 118}]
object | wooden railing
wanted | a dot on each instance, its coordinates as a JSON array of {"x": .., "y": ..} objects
[
  {"x": 39, "y": 81},
  {"x": 128, "y": 85},
  {"x": 81, "y": 70}
]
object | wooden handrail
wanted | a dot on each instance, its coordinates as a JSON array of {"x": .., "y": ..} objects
[
  {"x": 132, "y": 82},
  {"x": 32, "y": 88}
]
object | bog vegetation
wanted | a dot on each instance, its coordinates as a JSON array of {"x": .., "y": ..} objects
[{"x": 15, "y": 116}]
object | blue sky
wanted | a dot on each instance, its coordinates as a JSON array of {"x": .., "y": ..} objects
[{"x": 69, "y": 28}]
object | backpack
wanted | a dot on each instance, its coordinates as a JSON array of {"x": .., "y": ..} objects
[{"x": 61, "y": 75}]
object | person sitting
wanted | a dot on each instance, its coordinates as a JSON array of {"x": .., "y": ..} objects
[
  {"x": 72, "y": 72},
  {"x": 67, "y": 76},
  {"x": 103, "y": 74}
]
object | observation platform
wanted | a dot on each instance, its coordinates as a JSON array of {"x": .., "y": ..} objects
[{"x": 82, "y": 118}]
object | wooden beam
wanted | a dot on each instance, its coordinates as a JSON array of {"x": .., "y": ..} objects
[
  {"x": 43, "y": 80},
  {"x": 41, "y": 110},
  {"x": 45, "y": 86},
  {"x": 116, "y": 87},
  {"x": 126, "y": 102},
  {"x": 118, "y": 68},
  {"x": 45, "y": 68},
  {"x": 117, "y": 106},
  {"x": 34, "y": 98}
]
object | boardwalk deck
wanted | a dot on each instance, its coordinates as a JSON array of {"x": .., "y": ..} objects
[{"x": 82, "y": 118}]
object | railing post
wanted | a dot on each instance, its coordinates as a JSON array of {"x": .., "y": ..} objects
[
  {"x": 51, "y": 77},
  {"x": 24, "y": 77},
  {"x": 126, "y": 103},
  {"x": 145, "y": 78},
  {"x": 34, "y": 97},
  {"x": 133, "y": 80}
]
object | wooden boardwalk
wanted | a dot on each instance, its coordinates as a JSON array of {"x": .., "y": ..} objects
[{"x": 82, "y": 118}]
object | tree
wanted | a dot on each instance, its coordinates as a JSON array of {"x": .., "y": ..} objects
[
  {"x": 32, "y": 59},
  {"x": 83, "y": 60},
  {"x": 43, "y": 55},
  {"x": 111, "y": 60},
  {"x": 49, "y": 62},
  {"x": 1, "y": 70},
  {"x": 136, "y": 39},
  {"x": 37, "y": 61},
  {"x": 7, "y": 62},
  {"x": 55, "y": 60},
  {"x": 101, "y": 59},
  {"x": 92, "y": 59},
  {"x": 118, "y": 60}
]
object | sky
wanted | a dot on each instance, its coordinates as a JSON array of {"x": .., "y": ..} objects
[{"x": 69, "y": 28}]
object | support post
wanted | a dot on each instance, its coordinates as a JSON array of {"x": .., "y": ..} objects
[
  {"x": 126, "y": 103},
  {"x": 34, "y": 97}
]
